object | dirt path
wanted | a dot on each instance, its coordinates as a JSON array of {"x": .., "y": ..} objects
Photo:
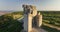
[{"x": 52, "y": 26}]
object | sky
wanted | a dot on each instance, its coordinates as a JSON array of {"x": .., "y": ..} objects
[{"x": 16, "y": 5}]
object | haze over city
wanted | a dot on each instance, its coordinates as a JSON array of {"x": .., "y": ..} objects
[{"x": 16, "y": 5}]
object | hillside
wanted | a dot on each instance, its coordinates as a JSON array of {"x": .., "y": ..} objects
[{"x": 10, "y": 24}]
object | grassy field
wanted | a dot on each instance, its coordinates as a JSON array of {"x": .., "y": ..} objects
[{"x": 50, "y": 18}]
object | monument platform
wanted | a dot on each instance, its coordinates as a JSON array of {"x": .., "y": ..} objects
[{"x": 36, "y": 30}]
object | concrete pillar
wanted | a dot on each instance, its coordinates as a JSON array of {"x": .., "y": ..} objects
[
  {"x": 39, "y": 19},
  {"x": 27, "y": 22}
]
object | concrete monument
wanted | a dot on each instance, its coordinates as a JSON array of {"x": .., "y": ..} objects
[{"x": 31, "y": 18}]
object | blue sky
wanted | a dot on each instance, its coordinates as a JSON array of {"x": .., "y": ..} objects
[
  {"x": 9, "y": 5},
  {"x": 40, "y": 4}
]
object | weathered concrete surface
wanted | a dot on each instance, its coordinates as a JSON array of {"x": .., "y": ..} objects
[
  {"x": 30, "y": 12},
  {"x": 38, "y": 30}
]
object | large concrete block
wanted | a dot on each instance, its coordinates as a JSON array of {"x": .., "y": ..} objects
[
  {"x": 29, "y": 22},
  {"x": 25, "y": 22}
]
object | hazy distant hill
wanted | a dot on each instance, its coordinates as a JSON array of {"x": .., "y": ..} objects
[
  {"x": 5, "y": 12},
  {"x": 2, "y": 13}
]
